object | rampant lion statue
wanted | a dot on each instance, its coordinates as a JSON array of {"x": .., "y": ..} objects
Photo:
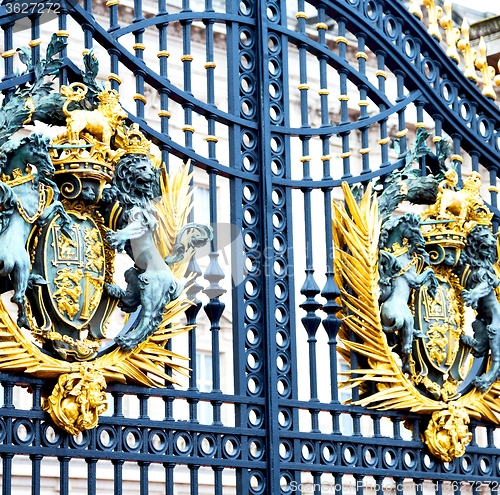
[
  {"x": 150, "y": 282},
  {"x": 478, "y": 258}
]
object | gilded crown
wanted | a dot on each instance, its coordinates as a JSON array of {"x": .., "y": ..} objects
[
  {"x": 482, "y": 216},
  {"x": 455, "y": 213},
  {"x": 108, "y": 96},
  {"x": 132, "y": 141}
]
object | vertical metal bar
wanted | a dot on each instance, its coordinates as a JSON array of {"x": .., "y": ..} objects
[
  {"x": 363, "y": 105},
  {"x": 113, "y": 17},
  {"x": 169, "y": 478},
  {"x": 64, "y": 474},
  {"x": 438, "y": 487},
  {"x": 8, "y": 439},
  {"x": 384, "y": 137},
  {"x": 402, "y": 130},
  {"x": 191, "y": 314},
  {"x": 474, "y": 154},
  {"x": 7, "y": 472},
  {"x": 358, "y": 480},
  {"x": 139, "y": 47},
  {"x": 493, "y": 190},
  {"x": 244, "y": 197},
  {"x": 218, "y": 479},
  {"x": 34, "y": 44},
  {"x": 379, "y": 483},
  {"x": 215, "y": 306},
  {"x": 163, "y": 55},
  {"x": 62, "y": 20},
  {"x": 193, "y": 478},
  {"x": 91, "y": 475},
  {"x": 36, "y": 459},
  {"x": 396, "y": 428},
  {"x": 118, "y": 476},
  {"x": 144, "y": 477},
  {"x": 456, "y": 157},
  {"x": 88, "y": 29},
  {"x": 186, "y": 60},
  {"x": 399, "y": 484},
  {"x": 330, "y": 291},
  {"x": 344, "y": 98},
  {"x": 310, "y": 288},
  {"x": 92, "y": 464},
  {"x": 8, "y": 55},
  {"x": 268, "y": 311}
]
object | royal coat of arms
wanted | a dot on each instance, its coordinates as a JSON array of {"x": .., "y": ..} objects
[
  {"x": 405, "y": 283},
  {"x": 67, "y": 205}
]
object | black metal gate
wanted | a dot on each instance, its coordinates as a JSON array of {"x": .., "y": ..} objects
[{"x": 290, "y": 98}]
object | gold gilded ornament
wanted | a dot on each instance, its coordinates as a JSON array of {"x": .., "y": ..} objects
[
  {"x": 77, "y": 400},
  {"x": 101, "y": 123},
  {"x": 447, "y": 434},
  {"x": 469, "y": 54},
  {"x": 415, "y": 9},
  {"x": 452, "y": 34},
  {"x": 72, "y": 295},
  {"x": 487, "y": 71},
  {"x": 434, "y": 13},
  {"x": 426, "y": 379}
]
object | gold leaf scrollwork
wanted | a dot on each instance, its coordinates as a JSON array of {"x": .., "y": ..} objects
[
  {"x": 77, "y": 400},
  {"x": 447, "y": 434}
]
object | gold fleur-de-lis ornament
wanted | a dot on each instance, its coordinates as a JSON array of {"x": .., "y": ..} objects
[
  {"x": 435, "y": 14},
  {"x": 452, "y": 34},
  {"x": 487, "y": 71},
  {"x": 469, "y": 54}
]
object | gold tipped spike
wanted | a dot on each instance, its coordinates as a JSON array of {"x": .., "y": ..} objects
[
  {"x": 434, "y": 16},
  {"x": 496, "y": 79},
  {"x": 415, "y": 9},
  {"x": 452, "y": 34},
  {"x": 469, "y": 55},
  {"x": 487, "y": 71}
]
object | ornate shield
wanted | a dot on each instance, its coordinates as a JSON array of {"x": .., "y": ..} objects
[
  {"x": 440, "y": 322},
  {"x": 74, "y": 267}
]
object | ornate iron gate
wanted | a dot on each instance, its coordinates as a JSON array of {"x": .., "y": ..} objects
[{"x": 282, "y": 135}]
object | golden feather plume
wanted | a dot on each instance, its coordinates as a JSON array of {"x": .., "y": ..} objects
[{"x": 173, "y": 210}]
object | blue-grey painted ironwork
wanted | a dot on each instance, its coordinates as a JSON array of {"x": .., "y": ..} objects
[{"x": 267, "y": 446}]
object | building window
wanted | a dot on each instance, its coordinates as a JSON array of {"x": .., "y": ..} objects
[
  {"x": 345, "y": 419},
  {"x": 201, "y": 209},
  {"x": 204, "y": 384}
]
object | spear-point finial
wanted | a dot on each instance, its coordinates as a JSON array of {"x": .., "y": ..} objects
[{"x": 497, "y": 78}]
